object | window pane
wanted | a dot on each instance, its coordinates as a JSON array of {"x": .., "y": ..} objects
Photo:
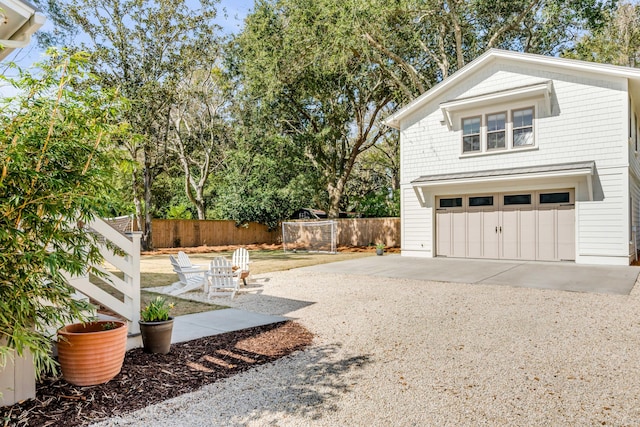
[
  {"x": 554, "y": 198},
  {"x": 455, "y": 202},
  {"x": 523, "y": 118},
  {"x": 495, "y": 140},
  {"x": 471, "y": 126},
  {"x": 471, "y": 143},
  {"x": 519, "y": 199},
  {"x": 481, "y": 201},
  {"x": 522, "y": 137},
  {"x": 496, "y": 122}
]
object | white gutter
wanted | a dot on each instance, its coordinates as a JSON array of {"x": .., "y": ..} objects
[{"x": 22, "y": 37}]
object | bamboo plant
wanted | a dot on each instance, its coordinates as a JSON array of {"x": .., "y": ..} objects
[{"x": 56, "y": 165}]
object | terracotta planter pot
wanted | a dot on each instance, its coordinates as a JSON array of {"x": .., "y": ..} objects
[
  {"x": 89, "y": 354},
  {"x": 156, "y": 336}
]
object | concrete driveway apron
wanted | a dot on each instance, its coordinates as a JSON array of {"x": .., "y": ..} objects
[{"x": 530, "y": 274}]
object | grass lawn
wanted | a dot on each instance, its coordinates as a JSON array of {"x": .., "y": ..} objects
[{"x": 156, "y": 270}]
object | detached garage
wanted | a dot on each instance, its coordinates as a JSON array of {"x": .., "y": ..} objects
[{"x": 523, "y": 157}]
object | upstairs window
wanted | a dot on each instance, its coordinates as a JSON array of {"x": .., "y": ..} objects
[
  {"x": 496, "y": 131},
  {"x": 471, "y": 134},
  {"x": 523, "y": 127},
  {"x": 499, "y": 131}
]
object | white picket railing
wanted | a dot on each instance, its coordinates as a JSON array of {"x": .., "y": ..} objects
[{"x": 128, "y": 264}]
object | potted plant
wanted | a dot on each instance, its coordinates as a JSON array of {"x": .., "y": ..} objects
[
  {"x": 156, "y": 326},
  {"x": 56, "y": 169},
  {"x": 380, "y": 249},
  {"x": 92, "y": 353}
]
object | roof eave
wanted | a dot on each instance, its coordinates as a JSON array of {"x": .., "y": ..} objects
[
  {"x": 492, "y": 54},
  {"x": 34, "y": 20}
]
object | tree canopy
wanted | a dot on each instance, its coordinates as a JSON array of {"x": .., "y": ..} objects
[{"x": 288, "y": 113}]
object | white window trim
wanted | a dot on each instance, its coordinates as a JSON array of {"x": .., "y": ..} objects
[
  {"x": 509, "y": 147},
  {"x": 513, "y": 128},
  {"x": 480, "y": 133},
  {"x": 507, "y": 119}
]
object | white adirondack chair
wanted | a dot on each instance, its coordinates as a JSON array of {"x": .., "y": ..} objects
[
  {"x": 240, "y": 261},
  {"x": 189, "y": 278},
  {"x": 221, "y": 278},
  {"x": 184, "y": 261}
]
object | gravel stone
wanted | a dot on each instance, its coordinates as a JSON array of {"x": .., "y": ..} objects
[{"x": 414, "y": 353}]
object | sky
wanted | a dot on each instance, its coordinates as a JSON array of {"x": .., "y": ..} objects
[
  {"x": 231, "y": 14},
  {"x": 236, "y": 10}
]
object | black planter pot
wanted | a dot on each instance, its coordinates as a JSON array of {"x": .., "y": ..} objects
[
  {"x": 379, "y": 252},
  {"x": 156, "y": 336}
]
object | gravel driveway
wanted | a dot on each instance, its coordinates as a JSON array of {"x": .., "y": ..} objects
[{"x": 399, "y": 352}]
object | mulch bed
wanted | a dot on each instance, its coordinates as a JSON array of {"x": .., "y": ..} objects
[
  {"x": 150, "y": 378},
  {"x": 255, "y": 247}
]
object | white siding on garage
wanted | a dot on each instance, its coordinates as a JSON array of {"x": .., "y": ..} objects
[
  {"x": 416, "y": 225},
  {"x": 634, "y": 178},
  {"x": 634, "y": 187},
  {"x": 602, "y": 224}
]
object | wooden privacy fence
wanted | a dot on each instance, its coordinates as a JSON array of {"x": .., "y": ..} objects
[
  {"x": 173, "y": 233},
  {"x": 367, "y": 231}
]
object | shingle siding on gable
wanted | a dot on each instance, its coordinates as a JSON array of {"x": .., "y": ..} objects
[{"x": 574, "y": 131}]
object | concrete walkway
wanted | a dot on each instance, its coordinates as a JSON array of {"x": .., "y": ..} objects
[
  {"x": 530, "y": 274},
  {"x": 193, "y": 326}
]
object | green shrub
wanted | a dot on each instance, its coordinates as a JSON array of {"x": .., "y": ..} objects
[
  {"x": 156, "y": 311},
  {"x": 56, "y": 165}
]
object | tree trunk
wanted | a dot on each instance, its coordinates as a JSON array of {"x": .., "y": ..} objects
[
  {"x": 336, "y": 191},
  {"x": 147, "y": 238},
  {"x": 200, "y": 205},
  {"x": 136, "y": 201},
  {"x": 334, "y": 201}
]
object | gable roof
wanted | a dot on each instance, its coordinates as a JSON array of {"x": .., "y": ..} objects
[{"x": 525, "y": 58}]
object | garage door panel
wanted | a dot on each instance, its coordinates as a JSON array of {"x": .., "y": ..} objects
[
  {"x": 566, "y": 233},
  {"x": 509, "y": 234},
  {"x": 443, "y": 233},
  {"x": 459, "y": 238},
  {"x": 546, "y": 234},
  {"x": 475, "y": 236},
  {"x": 527, "y": 238},
  {"x": 491, "y": 238}
]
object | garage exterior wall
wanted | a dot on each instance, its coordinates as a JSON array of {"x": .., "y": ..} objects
[
  {"x": 417, "y": 225},
  {"x": 586, "y": 121}
]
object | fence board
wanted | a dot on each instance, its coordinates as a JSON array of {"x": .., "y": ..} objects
[
  {"x": 368, "y": 231},
  {"x": 172, "y": 233}
]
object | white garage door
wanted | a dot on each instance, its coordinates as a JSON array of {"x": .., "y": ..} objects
[{"x": 536, "y": 225}]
